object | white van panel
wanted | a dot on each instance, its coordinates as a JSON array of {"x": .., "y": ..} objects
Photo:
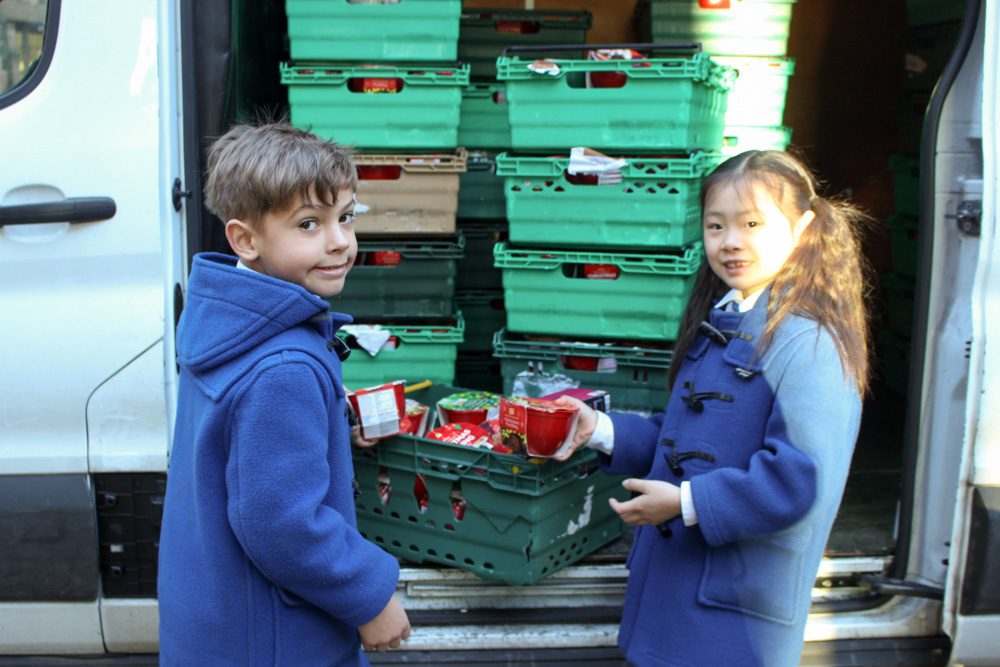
[
  {"x": 79, "y": 301},
  {"x": 127, "y": 420}
]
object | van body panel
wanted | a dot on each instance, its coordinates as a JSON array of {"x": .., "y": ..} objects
[
  {"x": 127, "y": 419},
  {"x": 95, "y": 286}
]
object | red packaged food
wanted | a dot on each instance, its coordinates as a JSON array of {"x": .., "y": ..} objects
[
  {"x": 536, "y": 427},
  {"x": 379, "y": 409}
]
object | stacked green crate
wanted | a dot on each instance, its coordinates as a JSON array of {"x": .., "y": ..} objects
[
  {"x": 385, "y": 79},
  {"x": 484, "y": 129},
  {"x": 599, "y": 265},
  {"x": 751, "y": 36}
]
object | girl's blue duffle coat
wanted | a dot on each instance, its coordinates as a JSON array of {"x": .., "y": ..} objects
[{"x": 766, "y": 444}]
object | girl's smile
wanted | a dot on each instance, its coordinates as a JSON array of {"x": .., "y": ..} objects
[{"x": 747, "y": 237}]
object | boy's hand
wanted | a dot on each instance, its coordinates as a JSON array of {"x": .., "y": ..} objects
[
  {"x": 658, "y": 502},
  {"x": 386, "y": 630},
  {"x": 357, "y": 440},
  {"x": 584, "y": 426}
]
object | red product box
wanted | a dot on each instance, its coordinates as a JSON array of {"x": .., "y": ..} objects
[{"x": 379, "y": 409}]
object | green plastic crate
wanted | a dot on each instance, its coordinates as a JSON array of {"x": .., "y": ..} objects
[
  {"x": 475, "y": 269},
  {"x": 522, "y": 520},
  {"x": 423, "y": 352},
  {"x": 401, "y": 32},
  {"x": 421, "y": 285},
  {"x": 480, "y": 194},
  {"x": 906, "y": 183},
  {"x": 740, "y": 139},
  {"x": 667, "y": 104},
  {"x": 423, "y": 115},
  {"x": 543, "y": 294},
  {"x": 483, "y": 121},
  {"x": 484, "y": 315},
  {"x": 636, "y": 379},
  {"x": 727, "y": 28},
  {"x": 479, "y": 371},
  {"x": 904, "y": 243},
  {"x": 483, "y": 33},
  {"x": 900, "y": 303},
  {"x": 656, "y": 205},
  {"x": 758, "y": 96}
]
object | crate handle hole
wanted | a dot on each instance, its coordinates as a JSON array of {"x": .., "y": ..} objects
[
  {"x": 394, "y": 515},
  {"x": 375, "y": 84},
  {"x": 448, "y": 526},
  {"x": 469, "y": 561},
  {"x": 432, "y": 552},
  {"x": 449, "y": 556},
  {"x": 414, "y": 548},
  {"x": 380, "y": 539},
  {"x": 396, "y": 543},
  {"x": 489, "y": 566}
]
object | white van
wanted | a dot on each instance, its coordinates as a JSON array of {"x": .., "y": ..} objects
[{"x": 105, "y": 107}]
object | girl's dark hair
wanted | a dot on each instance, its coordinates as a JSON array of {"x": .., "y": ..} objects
[{"x": 823, "y": 279}]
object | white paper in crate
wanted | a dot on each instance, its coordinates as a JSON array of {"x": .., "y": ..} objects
[
  {"x": 588, "y": 161},
  {"x": 371, "y": 337}
]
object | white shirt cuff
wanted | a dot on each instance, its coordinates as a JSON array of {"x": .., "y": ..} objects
[
  {"x": 603, "y": 438},
  {"x": 687, "y": 505}
]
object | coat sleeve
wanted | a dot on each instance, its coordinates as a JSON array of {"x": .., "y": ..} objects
[
  {"x": 279, "y": 477},
  {"x": 635, "y": 445},
  {"x": 805, "y": 456}
]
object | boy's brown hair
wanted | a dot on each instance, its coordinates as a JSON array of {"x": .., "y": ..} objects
[{"x": 255, "y": 169}]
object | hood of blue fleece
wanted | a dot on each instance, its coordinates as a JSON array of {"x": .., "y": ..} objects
[{"x": 230, "y": 310}]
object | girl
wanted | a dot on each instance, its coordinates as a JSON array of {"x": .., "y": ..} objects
[{"x": 738, "y": 482}]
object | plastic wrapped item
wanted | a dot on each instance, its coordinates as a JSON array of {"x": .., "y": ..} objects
[{"x": 535, "y": 382}]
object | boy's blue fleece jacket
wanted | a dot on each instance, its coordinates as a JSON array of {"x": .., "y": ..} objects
[
  {"x": 260, "y": 559},
  {"x": 766, "y": 444}
]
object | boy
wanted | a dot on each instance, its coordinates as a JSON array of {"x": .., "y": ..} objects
[{"x": 260, "y": 559}]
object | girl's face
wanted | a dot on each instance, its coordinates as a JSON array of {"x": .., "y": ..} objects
[{"x": 747, "y": 237}]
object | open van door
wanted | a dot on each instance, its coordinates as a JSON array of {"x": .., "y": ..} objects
[
  {"x": 972, "y": 599},
  {"x": 88, "y": 125}
]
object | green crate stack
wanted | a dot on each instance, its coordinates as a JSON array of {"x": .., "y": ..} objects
[
  {"x": 484, "y": 129},
  {"x": 605, "y": 261},
  {"x": 750, "y": 36}
]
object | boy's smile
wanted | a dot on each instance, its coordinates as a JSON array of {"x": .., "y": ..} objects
[{"x": 310, "y": 244}]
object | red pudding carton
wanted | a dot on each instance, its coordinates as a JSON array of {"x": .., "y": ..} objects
[
  {"x": 598, "y": 399},
  {"x": 414, "y": 421},
  {"x": 468, "y": 407},
  {"x": 536, "y": 427},
  {"x": 379, "y": 409}
]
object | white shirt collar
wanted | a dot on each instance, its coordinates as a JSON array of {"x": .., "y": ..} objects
[{"x": 742, "y": 305}]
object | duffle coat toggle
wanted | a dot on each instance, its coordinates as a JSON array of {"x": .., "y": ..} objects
[
  {"x": 675, "y": 458},
  {"x": 695, "y": 400}
]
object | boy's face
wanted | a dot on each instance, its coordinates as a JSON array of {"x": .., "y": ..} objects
[{"x": 309, "y": 243}]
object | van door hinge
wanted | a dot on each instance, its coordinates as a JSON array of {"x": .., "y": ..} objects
[
  {"x": 178, "y": 194},
  {"x": 967, "y": 217},
  {"x": 888, "y": 586}
]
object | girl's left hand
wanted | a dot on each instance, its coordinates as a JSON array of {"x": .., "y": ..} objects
[
  {"x": 658, "y": 502},
  {"x": 358, "y": 441}
]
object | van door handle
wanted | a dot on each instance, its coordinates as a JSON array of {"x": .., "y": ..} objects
[{"x": 76, "y": 209}]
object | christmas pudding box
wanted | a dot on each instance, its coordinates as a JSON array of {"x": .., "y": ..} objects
[
  {"x": 536, "y": 427},
  {"x": 598, "y": 399}
]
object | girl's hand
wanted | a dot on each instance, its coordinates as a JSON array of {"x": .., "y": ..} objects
[
  {"x": 357, "y": 440},
  {"x": 584, "y": 426},
  {"x": 658, "y": 502}
]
